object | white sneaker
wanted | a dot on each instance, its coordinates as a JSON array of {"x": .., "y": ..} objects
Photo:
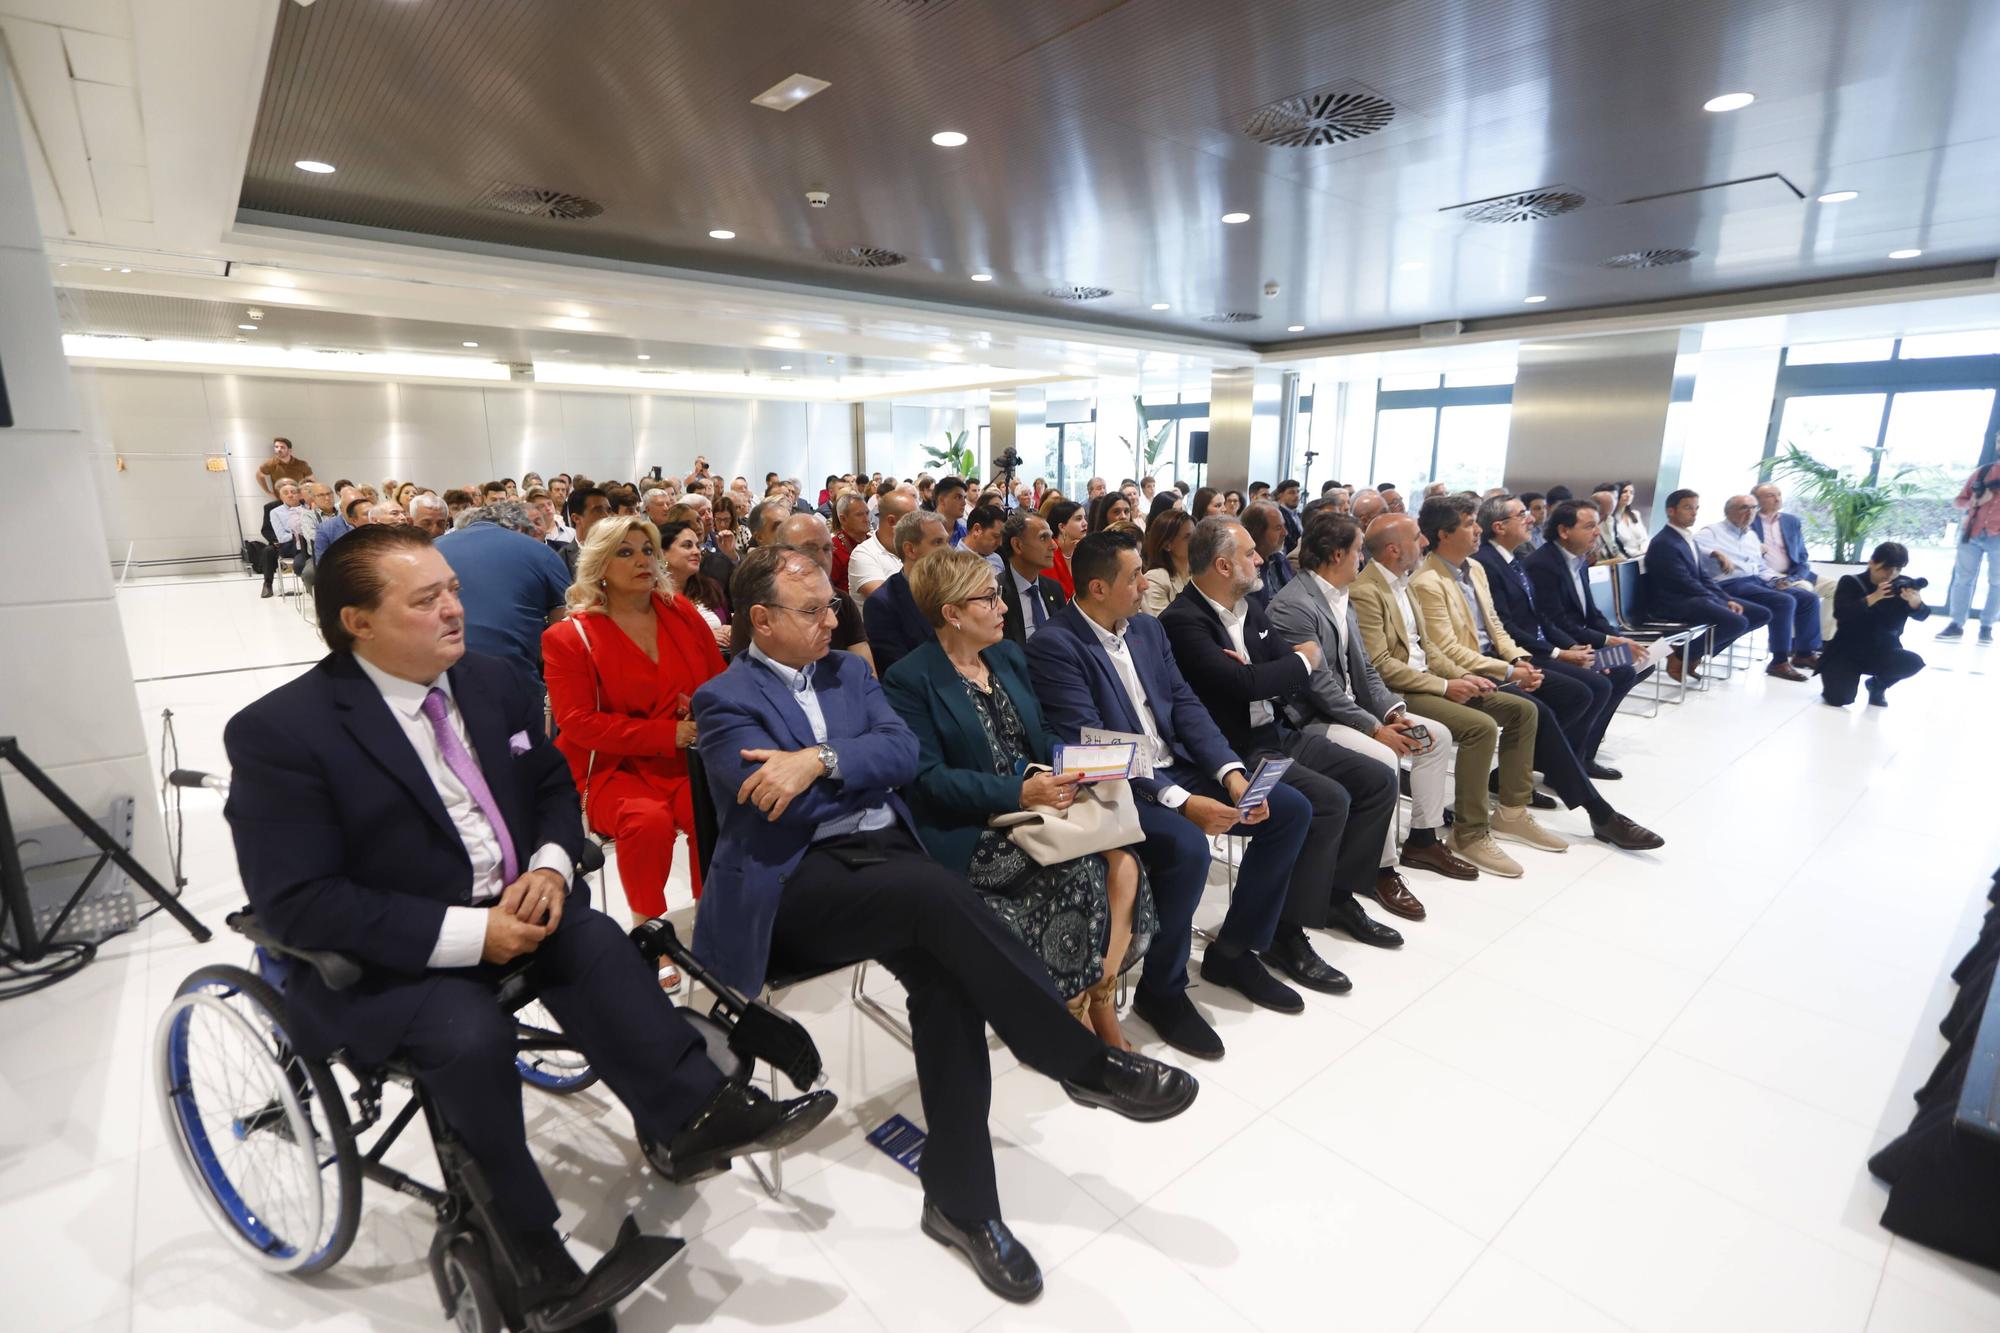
[
  {"x": 1482, "y": 851},
  {"x": 1521, "y": 827}
]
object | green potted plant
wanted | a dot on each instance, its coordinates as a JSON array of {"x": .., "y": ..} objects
[
  {"x": 1152, "y": 443},
  {"x": 953, "y": 458},
  {"x": 1845, "y": 508}
]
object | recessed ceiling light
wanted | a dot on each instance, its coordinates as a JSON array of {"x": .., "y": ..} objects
[
  {"x": 1295, "y": 328},
  {"x": 247, "y": 328},
  {"x": 982, "y": 277},
  {"x": 1729, "y": 102},
  {"x": 579, "y": 313},
  {"x": 1233, "y": 218},
  {"x": 1536, "y": 300},
  {"x": 124, "y": 270},
  {"x": 1839, "y": 196},
  {"x": 721, "y": 234},
  {"x": 784, "y": 367},
  {"x": 644, "y": 357},
  {"x": 316, "y": 168},
  {"x": 1904, "y": 254},
  {"x": 1409, "y": 266},
  {"x": 788, "y": 93},
  {"x": 948, "y": 139},
  {"x": 468, "y": 344},
  {"x": 1161, "y": 305},
  {"x": 107, "y": 268},
  {"x": 253, "y": 313}
]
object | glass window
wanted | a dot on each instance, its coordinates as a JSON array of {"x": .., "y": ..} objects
[
  {"x": 1823, "y": 354},
  {"x": 1839, "y": 429},
  {"x": 1465, "y": 379},
  {"x": 1403, "y": 440},
  {"x": 1983, "y": 342},
  {"x": 1942, "y": 432},
  {"x": 1183, "y": 470},
  {"x": 1472, "y": 446},
  {"x": 1394, "y": 383}
]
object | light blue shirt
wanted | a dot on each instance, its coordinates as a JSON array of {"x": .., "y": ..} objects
[
  {"x": 1464, "y": 579},
  {"x": 1030, "y": 590},
  {"x": 799, "y": 682},
  {"x": 1577, "y": 565},
  {"x": 1744, "y": 548}
]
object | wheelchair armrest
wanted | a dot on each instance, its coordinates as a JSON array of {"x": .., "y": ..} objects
[
  {"x": 337, "y": 971},
  {"x": 756, "y": 1029},
  {"x": 592, "y": 859}
]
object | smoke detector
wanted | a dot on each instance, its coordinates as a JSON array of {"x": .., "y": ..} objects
[{"x": 818, "y": 198}]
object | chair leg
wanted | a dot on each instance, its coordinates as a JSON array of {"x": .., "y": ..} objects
[
  {"x": 773, "y": 1182},
  {"x": 881, "y": 1014}
]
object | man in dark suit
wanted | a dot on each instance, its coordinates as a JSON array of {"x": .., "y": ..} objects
[
  {"x": 1679, "y": 588},
  {"x": 1582, "y": 697},
  {"x": 430, "y": 833},
  {"x": 1271, "y": 531},
  {"x": 1028, "y": 594},
  {"x": 1245, "y": 675},
  {"x": 817, "y": 866},
  {"x": 895, "y": 626},
  {"x": 1100, "y": 664},
  {"x": 1559, "y": 573}
]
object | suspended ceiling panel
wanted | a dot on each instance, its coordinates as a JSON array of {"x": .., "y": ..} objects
[{"x": 1108, "y": 137}]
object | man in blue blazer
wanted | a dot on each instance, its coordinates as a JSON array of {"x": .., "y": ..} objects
[
  {"x": 1559, "y": 574},
  {"x": 894, "y": 625},
  {"x": 817, "y": 865},
  {"x": 1582, "y": 697},
  {"x": 429, "y": 832},
  {"x": 1098, "y": 663},
  {"x": 1678, "y": 588},
  {"x": 1791, "y": 539}
]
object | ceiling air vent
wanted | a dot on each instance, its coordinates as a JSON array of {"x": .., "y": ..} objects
[
  {"x": 1232, "y": 317},
  {"x": 1313, "y": 119},
  {"x": 534, "y": 202},
  {"x": 866, "y": 256},
  {"x": 1664, "y": 258},
  {"x": 1072, "y": 292},
  {"x": 1528, "y": 206}
]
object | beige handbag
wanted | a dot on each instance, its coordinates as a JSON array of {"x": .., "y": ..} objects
[{"x": 1103, "y": 818}]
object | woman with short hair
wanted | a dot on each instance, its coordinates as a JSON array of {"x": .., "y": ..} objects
[{"x": 983, "y": 750}]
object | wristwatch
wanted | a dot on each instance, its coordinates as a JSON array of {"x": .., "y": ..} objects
[{"x": 830, "y": 761}]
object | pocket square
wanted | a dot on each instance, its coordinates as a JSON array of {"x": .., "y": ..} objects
[
  {"x": 1263, "y": 634},
  {"x": 518, "y": 743}
]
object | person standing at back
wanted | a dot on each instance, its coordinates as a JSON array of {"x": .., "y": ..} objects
[
  {"x": 1978, "y": 539},
  {"x": 513, "y": 585}
]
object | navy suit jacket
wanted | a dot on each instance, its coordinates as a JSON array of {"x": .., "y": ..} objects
[
  {"x": 1080, "y": 688},
  {"x": 748, "y": 707},
  {"x": 344, "y": 844},
  {"x": 1519, "y": 613},
  {"x": 1674, "y": 576},
  {"x": 894, "y": 625},
  {"x": 1794, "y": 533},
  {"x": 1555, "y": 598},
  {"x": 956, "y": 788},
  {"x": 1225, "y": 686}
]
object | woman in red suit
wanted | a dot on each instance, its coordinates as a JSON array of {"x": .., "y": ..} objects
[{"x": 620, "y": 672}]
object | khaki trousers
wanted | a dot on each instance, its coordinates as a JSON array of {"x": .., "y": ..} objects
[{"x": 1479, "y": 726}]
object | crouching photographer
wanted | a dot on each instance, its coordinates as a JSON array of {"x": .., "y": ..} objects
[{"x": 1870, "y": 610}]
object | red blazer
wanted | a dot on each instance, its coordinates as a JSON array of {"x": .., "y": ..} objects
[
  {"x": 643, "y": 702},
  {"x": 1059, "y": 571}
]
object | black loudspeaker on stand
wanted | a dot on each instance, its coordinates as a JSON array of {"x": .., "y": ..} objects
[
  {"x": 31, "y": 945},
  {"x": 1197, "y": 446}
]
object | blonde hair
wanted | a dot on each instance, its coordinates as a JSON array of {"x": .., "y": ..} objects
[
  {"x": 587, "y": 593},
  {"x": 946, "y": 578}
]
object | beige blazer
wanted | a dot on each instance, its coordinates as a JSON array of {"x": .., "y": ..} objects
[
  {"x": 1373, "y": 599},
  {"x": 1435, "y": 591}
]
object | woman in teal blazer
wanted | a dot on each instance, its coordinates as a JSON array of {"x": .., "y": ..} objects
[{"x": 979, "y": 728}]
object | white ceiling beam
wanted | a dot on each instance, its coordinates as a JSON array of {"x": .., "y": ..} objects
[{"x": 41, "y": 69}]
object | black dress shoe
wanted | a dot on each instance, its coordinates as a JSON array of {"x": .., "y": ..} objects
[
  {"x": 1179, "y": 1024},
  {"x": 549, "y": 1272},
  {"x": 1247, "y": 977},
  {"x": 1002, "y": 1262},
  {"x": 1292, "y": 954},
  {"x": 1536, "y": 799},
  {"x": 1601, "y": 772},
  {"x": 1345, "y": 914},
  {"x": 1136, "y": 1086},
  {"x": 738, "y": 1119},
  {"x": 1622, "y": 833}
]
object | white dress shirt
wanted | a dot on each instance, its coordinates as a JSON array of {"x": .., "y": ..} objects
[
  {"x": 871, "y": 562},
  {"x": 1261, "y": 714},
  {"x": 1336, "y": 602},
  {"x": 1401, "y": 587},
  {"x": 462, "y": 938},
  {"x": 1157, "y": 755},
  {"x": 1577, "y": 565},
  {"x": 1745, "y": 552}
]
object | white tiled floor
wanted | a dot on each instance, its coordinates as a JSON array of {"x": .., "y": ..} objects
[{"x": 1620, "y": 1093}]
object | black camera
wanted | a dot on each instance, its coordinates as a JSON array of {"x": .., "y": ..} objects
[{"x": 1902, "y": 581}]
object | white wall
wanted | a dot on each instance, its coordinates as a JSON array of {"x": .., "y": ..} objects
[{"x": 163, "y": 423}]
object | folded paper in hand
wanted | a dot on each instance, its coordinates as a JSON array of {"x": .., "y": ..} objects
[
  {"x": 1143, "y": 759},
  {"x": 1613, "y": 655}
]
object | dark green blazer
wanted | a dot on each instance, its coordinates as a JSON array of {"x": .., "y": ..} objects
[{"x": 956, "y": 789}]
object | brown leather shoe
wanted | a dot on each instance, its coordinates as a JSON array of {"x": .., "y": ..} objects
[
  {"x": 1676, "y": 667},
  {"x": 1785, "y": 671},
  {"x": 1438, "y": 858},
  {"x": 1806, "y": 661},
  {"x": 1395, "y": 896}
]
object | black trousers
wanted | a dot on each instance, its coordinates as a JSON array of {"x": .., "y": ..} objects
[
  {"x": 609, "y": 1003},
  {"x": 877, "y": 896},
  {"x": 267, "y": 559},
  {"x": 1584, "y": 699},
  {"x": 1353, "y": 799},
  {"x": 1884, "y": 666},
  {"x": 1554, "y": 757}
]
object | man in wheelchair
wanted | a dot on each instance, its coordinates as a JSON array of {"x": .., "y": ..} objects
[{"x": 430, "y": 832}]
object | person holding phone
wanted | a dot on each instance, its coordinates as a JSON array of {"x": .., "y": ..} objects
[
  {"x": 1870, "y": 611},
  {"x": 984, "y": 750}
]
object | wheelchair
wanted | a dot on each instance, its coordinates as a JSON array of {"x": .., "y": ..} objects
[{"x": 270, "y": 1147}]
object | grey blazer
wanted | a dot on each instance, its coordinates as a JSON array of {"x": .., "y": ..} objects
[{"x": 1345, "y": 690}]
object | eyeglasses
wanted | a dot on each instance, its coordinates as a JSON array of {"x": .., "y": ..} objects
[
  {"x": 810, "y": 612},
  {"x": 990, "y": 598}
]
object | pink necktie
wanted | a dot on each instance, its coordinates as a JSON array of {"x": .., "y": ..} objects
[{"x": 466, "y": 770}]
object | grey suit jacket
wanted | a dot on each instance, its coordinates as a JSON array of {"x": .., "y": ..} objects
[{"x": 1344, "y": 688}]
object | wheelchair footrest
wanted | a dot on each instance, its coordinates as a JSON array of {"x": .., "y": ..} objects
[{"x": 632, "y": 1259}]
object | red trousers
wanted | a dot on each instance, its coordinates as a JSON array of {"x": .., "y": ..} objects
[{"x": 645, "y": 813}]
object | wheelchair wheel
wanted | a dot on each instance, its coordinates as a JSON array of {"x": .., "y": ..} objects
[
  {"x": 462, "y": 1267},
  {"x": 563, "y": 1070},
  {"x": 261, "y": 1133}
]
